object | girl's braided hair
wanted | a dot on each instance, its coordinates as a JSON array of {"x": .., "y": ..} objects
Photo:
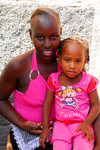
[{"x": 79, "y": 40}]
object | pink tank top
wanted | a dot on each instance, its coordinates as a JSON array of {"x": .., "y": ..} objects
[{"x": 29, "y": 104}]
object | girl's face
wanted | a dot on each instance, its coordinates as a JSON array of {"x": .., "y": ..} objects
[
  {"x": 45, "y": 33},
  {"x": 72, "y": 59}
]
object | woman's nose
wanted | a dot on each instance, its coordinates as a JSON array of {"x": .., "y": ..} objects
[{"x": 47, "y": 43}]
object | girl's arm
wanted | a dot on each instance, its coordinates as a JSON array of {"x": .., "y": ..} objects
[
  {"x": 94, "y": 112},
  {"x": 45, "y": 117},
  {"x": 95, "y": 107}
]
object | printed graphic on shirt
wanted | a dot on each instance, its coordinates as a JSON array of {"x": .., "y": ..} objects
[{"x": 67, "y": 97}]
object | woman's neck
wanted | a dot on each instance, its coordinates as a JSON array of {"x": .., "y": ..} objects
[{"x": 46, "y": 61}]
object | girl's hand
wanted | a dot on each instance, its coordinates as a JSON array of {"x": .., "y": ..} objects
[
  {"x": 44, "y": 137},
  {"x": 50, "y": 125},
  {"x": 86, "y": 130},
  {"x": 32, "y": 127}
]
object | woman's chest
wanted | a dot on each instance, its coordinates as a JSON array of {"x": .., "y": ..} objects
[{"x": 45, "y": 71}]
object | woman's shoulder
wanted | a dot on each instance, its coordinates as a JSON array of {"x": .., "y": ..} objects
[{"x": 19, "y": 63}]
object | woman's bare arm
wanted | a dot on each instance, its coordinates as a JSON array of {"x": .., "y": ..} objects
[{"x": 8, "y": 82}]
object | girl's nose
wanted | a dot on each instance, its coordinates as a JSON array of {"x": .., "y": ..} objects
[{"x": 72, "y": 64}]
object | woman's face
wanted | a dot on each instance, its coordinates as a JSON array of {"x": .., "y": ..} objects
[{"x": 45, "y": 34}]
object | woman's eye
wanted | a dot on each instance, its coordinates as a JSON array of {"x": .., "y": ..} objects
[
  {"x": 53, "y": 37},
  {"x": 40, "y": 37}
]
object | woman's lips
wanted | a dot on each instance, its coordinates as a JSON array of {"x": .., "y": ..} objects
[{"x": 47, "y": 53}]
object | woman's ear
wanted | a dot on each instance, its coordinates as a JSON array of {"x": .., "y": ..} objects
[{"x": 30, "y": 33}]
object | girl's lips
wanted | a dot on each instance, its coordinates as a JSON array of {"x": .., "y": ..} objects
[
  {"x": 47, "y": 53},
  {"x": 71, "y": 72}
]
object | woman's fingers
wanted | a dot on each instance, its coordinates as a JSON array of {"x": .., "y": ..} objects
[
  {"x": 32, "y": 127},
  {"x": 36, "y": 131}
]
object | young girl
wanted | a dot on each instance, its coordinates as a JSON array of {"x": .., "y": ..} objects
[
  {"x": 26, "y": 75},
  {"x": 74, "y": 90}
]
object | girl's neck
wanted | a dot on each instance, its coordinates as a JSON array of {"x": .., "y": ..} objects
[{"x": 65, "y": 80}]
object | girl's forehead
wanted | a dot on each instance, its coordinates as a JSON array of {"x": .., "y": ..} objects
[{"x": 73, "y": 47}]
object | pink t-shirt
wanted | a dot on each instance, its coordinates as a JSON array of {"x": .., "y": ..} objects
[
  {"x": 29, "y": 104},
  {"x": 72, "y": 102}
]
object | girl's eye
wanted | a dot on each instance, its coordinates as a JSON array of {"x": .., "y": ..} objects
[
  {"x": 78, "y": 61},
  {"x": 67, "y": 60}
]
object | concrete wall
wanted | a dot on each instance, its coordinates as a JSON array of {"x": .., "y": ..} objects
[
  {"x": 14, "y": 25},
  {"x": 77, "y": 20}
]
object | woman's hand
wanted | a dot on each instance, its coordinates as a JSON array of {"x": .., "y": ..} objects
[
  {"x": 44, "y": 137},
  {"x": 86, "y": 130},
  {"x": 32, "y": 127}
]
